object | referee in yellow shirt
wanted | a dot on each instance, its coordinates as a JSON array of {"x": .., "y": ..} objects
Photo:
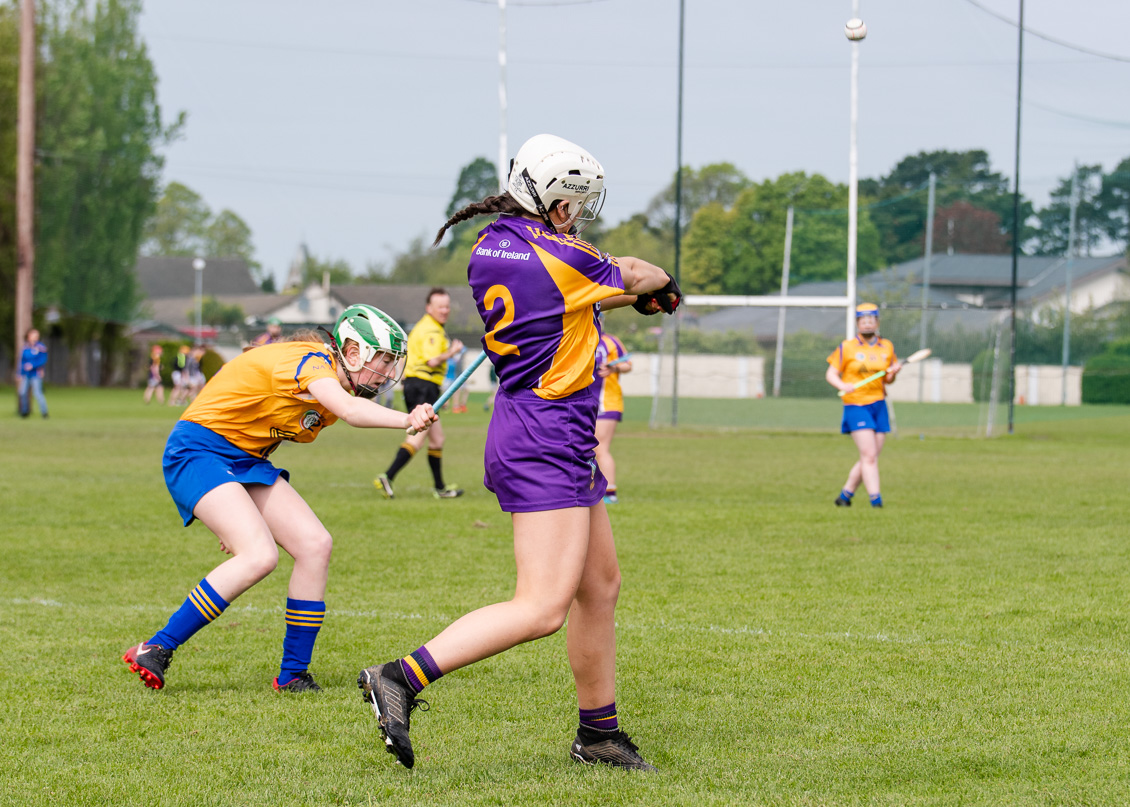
[
  {"x": 428, "y": 353},
  {"x": 865, "y": 407}
]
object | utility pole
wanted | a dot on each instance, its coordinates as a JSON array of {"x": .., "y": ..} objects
[
  {"x": 503, "y": 156},
  {"x": 1015, "y": 227},
  {"x": 923, "y": 336},
  {"x": 25, "y": 178},
  {"x": 1067, "y": 280},
  {"x": 778, "y": 358},
  {"x": 678, "y": 215}
]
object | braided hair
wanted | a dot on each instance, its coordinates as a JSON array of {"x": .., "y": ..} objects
[{"x": 503, "y": 203}]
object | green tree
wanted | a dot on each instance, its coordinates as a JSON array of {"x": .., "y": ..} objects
[
  {"x": 228, "y": 236},
  {"x": 637, "y": 238},
  {"x": 477, "y": 180},
  {"x": 443, "y": 266},
  {"x": 215, "y": 313},
  {"x": 897, "y": 201},
  {"x": 98, "y": 130},
  {"x": 717, "y": 183},
  {"x": 315, "y": 270},
  {"x": 704, "y": 251},
  {"x": 179, "y": 225},
  {"x": 741, "y": 250},
  {"x": 1091, "y": 223},
  {"x": 1114, "y": 202}
]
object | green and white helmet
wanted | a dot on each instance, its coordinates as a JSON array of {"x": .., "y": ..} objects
[{"x": 374, "y": 332}]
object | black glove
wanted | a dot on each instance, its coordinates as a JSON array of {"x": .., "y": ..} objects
[{"x": 667, "y": 298}]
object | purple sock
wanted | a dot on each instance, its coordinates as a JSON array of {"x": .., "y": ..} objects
[
  {"x": 603, "y": 719},
  {"x": 420, "y": 669}
]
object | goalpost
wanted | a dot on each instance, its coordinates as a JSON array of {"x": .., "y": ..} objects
[{"x": 759, "y": 361}]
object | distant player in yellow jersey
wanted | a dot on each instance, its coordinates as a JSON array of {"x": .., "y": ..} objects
[
  {"x": 611, "y": 362},
  {"x": 865, "y": 407},
  {"x": 428, "y": 353},
  {"x": 217, "y": 469}
]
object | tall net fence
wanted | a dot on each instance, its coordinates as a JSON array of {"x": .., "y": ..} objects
[{"x": 723, "y": 369}]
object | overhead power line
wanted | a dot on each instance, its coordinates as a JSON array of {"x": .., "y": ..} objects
[{"x": 1055, "y": 41}]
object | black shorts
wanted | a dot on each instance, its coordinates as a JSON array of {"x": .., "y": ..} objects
[{"x": 418, "y": 391}]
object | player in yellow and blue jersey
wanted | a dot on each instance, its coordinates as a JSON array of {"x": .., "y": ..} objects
[
  {"x": 865, "y": 407},
  {"x": 610, "y": 365},
  {"x": 218, "y": 470},
  {"x": 539, "y": 289}
]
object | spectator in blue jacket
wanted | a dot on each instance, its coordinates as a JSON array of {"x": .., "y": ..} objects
[{"x": 32, "y": 360}]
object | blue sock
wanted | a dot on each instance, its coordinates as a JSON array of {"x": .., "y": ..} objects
[
  {"x": 201, "y": 607},
  {"x": 603, "y": 719},
  {"x": 303, "y": 621},
  {"x": 846, "y": 495},
  {"x": 877, "y": 500}
]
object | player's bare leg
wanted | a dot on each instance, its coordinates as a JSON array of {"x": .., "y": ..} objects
[
  {"x": 297, "y": 530},
  {"x": 231, "y": 514},
  {"x": 870, "y": 445},
  {"x": 591, "y": 635},
  {"x": 300, "y": 532},
  {"x": 605, "y": 431},
  {"x": 550, "y": 548}
]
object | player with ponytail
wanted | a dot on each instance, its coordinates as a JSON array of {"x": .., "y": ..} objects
[{"x": 539, "y": 290}]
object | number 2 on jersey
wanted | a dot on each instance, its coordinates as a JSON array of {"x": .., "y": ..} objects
[{"x": 494, "y": 294}]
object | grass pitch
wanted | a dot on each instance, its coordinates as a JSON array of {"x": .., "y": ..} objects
[{"x": 965, "y": 645}]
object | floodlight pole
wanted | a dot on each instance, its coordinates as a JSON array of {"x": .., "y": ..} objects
[
  {"x": 1067, "y": 280},
  {"x": 853, "y": 182},
  {"x": 503, "y": 156},
  {"x": 678, "y": 216},
  {"x": 198, "y": 265},
  {"x": 777, "y": 359},
  {"x": 922, "y": 335},
  {"x": 1015, "y": 225}
]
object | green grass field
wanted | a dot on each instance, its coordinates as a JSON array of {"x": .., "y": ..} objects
[{"x": 968, "y": 644}]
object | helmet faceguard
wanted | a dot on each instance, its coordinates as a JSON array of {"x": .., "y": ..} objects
[
  {"x": 549, "y": 170},
  {"x": 381, "y": 342}
]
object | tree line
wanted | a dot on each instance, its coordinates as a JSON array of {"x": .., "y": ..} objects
[{"x": 733, "y": 228}]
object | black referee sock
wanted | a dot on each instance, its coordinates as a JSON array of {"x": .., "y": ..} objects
[
  {"x": 405, "y": 453},
  {"x": 435, "y": 462}
]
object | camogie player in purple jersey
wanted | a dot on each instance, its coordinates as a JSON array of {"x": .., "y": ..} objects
[{"x": 539, "y": 290}]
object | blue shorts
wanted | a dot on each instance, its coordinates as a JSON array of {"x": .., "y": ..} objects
[
  {"x": 872, "y": 416},
  {"x": 541, "y": 455},
  {"x": 198, "y": 460}
]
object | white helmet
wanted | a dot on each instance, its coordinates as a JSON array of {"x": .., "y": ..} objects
[
  {"x": 374, "y": 332},
  {"x": 550, "y": 169}
]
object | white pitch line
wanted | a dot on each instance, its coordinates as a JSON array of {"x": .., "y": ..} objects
[{"x": 665, "y": 627}]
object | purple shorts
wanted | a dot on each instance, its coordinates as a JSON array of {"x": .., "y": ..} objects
[
  {"x": 541, "y": 455},
  {"x": 611, "y": 414}
]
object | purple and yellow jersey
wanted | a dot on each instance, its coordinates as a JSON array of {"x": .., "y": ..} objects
[
  {"x": 254, "y": 401},
  {"x": 856, "y": 359},
  {"x": 608, "y": 393},
  {"x": 536, "y": 292}
]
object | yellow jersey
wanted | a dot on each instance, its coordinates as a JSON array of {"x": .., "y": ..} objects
[
  {"x": 426, "y": 341},
  {"x": 856, "y": 359},
  {"x": 254, "y": 401}
]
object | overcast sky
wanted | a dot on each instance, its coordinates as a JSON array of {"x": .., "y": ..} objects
[{"x": 344, "y": 124}]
